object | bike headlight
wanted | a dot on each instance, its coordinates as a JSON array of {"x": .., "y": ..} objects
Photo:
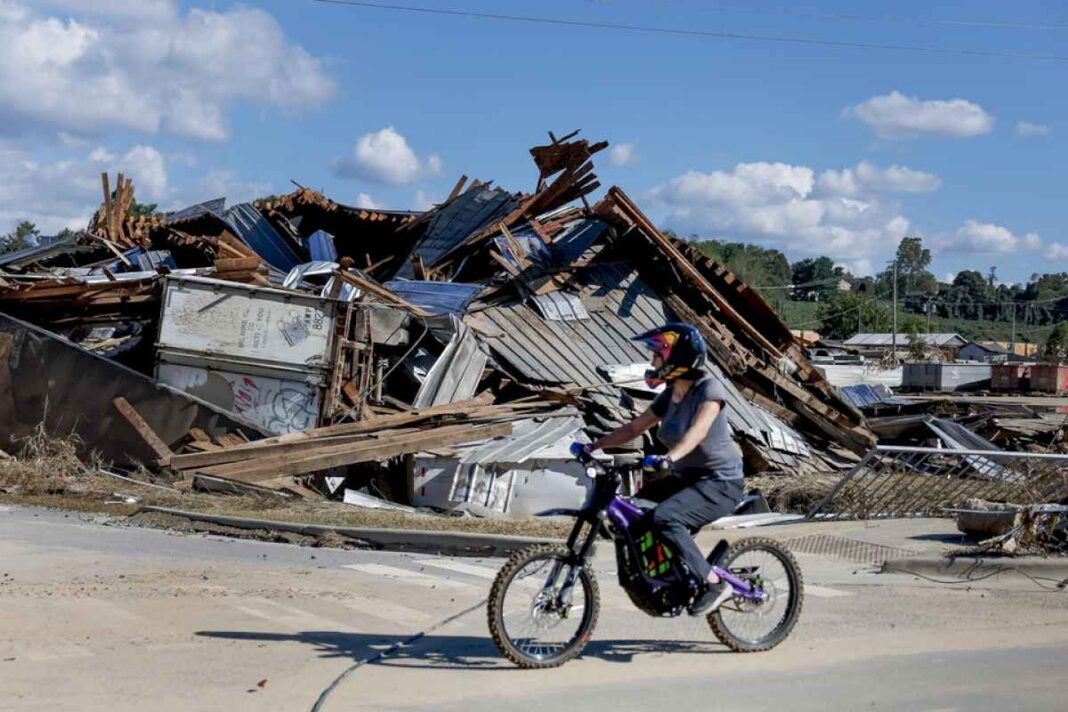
[{"x": 591, "y": 472}]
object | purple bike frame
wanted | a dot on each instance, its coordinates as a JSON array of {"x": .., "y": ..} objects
[{"x": 624, "y": 515}]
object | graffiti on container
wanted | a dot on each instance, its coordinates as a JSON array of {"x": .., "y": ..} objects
[{"x": 275, "y": 404}]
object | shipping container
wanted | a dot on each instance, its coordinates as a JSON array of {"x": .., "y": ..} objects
[
  {"x": 263, "y": 353},
  {"x": 946, "y": 377},
  {"x": 244, "y": 323},
  {"x": 1049, "y": 378},
  {"x": 1011, "y": 377}
]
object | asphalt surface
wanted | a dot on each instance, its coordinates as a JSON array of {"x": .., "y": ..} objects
[{"x": 114, "y": 617}]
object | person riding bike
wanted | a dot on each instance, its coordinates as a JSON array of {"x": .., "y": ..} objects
[{"x": 705, "y": 464}]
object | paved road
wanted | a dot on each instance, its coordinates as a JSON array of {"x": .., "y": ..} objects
[{"x": 107, "y": 617}]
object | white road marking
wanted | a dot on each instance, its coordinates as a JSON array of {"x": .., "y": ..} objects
[
  {"x": 386, "y": 610},
  {"x": 293, "y": 618},
  {"x": 821, "y": 592},
  {"x": 404, "y": 575},
  {"x": 460, "y": 567}
]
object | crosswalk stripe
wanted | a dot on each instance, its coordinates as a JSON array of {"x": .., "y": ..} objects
[
  {"x": 821, "y": 592},
  {"x": 404, "y": 574},
  {"x": 459, "y": 567},
  {"x": 285, "y": 615},
  {"x": 386, "y": 610}
]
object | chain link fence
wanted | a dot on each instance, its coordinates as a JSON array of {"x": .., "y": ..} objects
[{"x": 919, "y": 481}]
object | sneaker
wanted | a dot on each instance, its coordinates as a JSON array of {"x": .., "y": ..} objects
[{"x": 710, "y": 600}]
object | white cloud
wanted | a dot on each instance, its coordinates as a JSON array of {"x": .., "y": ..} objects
[
  {"x": 65, "y": 192},
  {"x": 859, "y": 267},
  {"x": 622, "y": 154},
  {"x": 424, "y": 201},
  {"x": 226, "y": 184},
  {"x": 948, "y": 277},
  {"x": 363, "y": 200},
  {"x": 115, "y": 9},
  {"x": 777, "y": 203},
  {"x": 895, "y": 115},
  {"x": 386, "y": 157},
  {"x": 1056, "y": 251},
  {"x": 1026, "y": 129},
  {"x": 866, "y": 179},
  {"x": 974, "y": 236},
  {"x": 146, "y": 67}
]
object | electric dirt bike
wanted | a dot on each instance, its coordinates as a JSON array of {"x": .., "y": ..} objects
[{"x": 544, "y": 603}]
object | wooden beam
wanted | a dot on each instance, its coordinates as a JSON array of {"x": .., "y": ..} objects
[
  {"x": 271, "y": 467},
  {"x": 371, "y": 287},
  {"x": 143, "y": 428},
  {"x": 634, "y": 216},
  {"x": 382, "y": 422}
]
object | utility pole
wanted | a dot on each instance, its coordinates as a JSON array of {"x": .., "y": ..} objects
[
  {"x": 1012, "y": 347},
  {"x": 893, "y": 335}
]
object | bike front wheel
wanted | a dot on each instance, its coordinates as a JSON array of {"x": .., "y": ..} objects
[
  {"x": 746, "y": 626},
  {"x": 536, "y": 619}
]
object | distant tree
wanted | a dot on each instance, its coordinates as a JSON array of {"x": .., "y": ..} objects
[
  {"x": 758, "y": 267},
  {"x": 24, "y": 235},
  {"x": 1057, "y": 343},
  {"x": 913, "y": 277},
  {"x": 848, "y": 313},
  {"x": 917, "y": 350},
  {"x": 816, "y": 279}
]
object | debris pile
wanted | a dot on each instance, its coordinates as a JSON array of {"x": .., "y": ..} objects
[{"x": 443, "y": 358}]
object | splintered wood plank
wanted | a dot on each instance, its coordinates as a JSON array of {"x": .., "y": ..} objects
[
  {"x": 143, "y": 428},
  {"x": 271, "y": 467}
]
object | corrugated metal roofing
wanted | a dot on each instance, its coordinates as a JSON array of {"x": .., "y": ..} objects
[
  {"x": 576, "y": 240},
  {"x": 573, "y": 352},
  {"x": 530, "y": 439},
  {"x": 458, "y": 370},
  {"x": 863, "y": 394},
  {"x": 436, "y": 297},
  {"x": 320, "y": 246},
  {"x": 154, "y": 259},
  {"x": 903, "y": 340},
  {"x": 535, "y": 250},
  {"x": 453, "y": 223},
  {"x": 32, "y": 254},
  {"x": 216, "y": 206},
  {"x": 560, "y": 306},
  {"x": 255, "y": 231}
]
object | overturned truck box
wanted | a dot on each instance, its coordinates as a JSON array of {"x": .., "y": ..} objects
[
  {"x": 45, "y": 379},
  {"x": 263, "y": 353}
]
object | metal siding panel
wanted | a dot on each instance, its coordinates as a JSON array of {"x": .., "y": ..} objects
[
  {"x": 438, "y": 297},
  {"x": 255, "y": 231}
]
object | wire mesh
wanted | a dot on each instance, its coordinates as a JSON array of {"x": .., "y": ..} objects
[{"x": 915, "y": 481}]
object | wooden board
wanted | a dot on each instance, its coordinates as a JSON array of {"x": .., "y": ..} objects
[
  {"x": 143, "y": 428},
  {"x": 266, "y": 468}
]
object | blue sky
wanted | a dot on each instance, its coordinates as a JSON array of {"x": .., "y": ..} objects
[{"x": 812, "y": 149}]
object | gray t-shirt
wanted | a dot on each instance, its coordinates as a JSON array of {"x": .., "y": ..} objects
[{"x": 717, "y": 456}]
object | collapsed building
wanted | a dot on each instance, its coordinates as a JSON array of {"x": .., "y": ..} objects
[{"x": 300, "y": 344}]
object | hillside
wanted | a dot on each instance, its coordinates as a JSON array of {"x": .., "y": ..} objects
[{"x": 803, "y": 315}]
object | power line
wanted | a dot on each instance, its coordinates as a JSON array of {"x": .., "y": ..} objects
[
  {"x": 916, "y": 22},
  {"x": 678, "y": 31}
]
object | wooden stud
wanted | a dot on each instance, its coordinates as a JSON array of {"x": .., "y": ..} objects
[{"x": 143, "y": 429}]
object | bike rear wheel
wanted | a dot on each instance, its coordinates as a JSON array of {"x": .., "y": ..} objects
[
  {"x": 748, "y": 627},
  {"x": 533, "y": 621}
]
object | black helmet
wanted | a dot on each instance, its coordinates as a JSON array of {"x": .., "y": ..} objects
[{"x": 681, "y": 347}]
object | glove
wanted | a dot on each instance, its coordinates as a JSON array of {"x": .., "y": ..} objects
[
  {"x": 656, "y": 463},
  {"x": 579, "y": 449}
]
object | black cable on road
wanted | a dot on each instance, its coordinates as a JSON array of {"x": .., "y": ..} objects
[{"x": 318, "y": 706}]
